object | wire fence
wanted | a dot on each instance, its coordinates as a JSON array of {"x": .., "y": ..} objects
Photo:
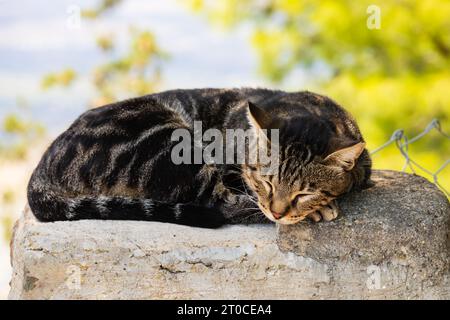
[{"x": 401, "y": 141}]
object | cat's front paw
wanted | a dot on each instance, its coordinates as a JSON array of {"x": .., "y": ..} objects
[{"x": 327, "y": 213}]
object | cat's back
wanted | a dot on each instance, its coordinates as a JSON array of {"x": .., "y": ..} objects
[
  {"x": 214, "y": 105},
  {"x": 103, "y": 142}
]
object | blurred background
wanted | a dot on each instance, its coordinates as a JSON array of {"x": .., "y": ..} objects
[{"x": 388, "y": 62}]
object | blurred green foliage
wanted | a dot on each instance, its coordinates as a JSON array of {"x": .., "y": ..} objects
[
  {"x": 8, "y": 223},
  {"x": 397, "y": 76},
  {"x": 6, "y": 220},
  {"x": 132, "y": 73},
  {"x": 102, "y": 6},
  {"x": 64, "y": 78},
  {"x": 19, "y": 132}
]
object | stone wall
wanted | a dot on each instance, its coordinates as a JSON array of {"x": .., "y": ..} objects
[{"x": 392, "y": 242}]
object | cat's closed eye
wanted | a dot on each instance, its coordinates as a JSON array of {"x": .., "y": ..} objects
[
  {"x": 302, "y": 197},
  {"x": 268, "y": 186}
]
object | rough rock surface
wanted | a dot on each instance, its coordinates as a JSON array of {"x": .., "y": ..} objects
[
  {"x": 393, "y": 237},
  {"x": 391, "y": 242}
]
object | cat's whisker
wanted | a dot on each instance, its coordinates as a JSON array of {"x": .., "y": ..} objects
[
  {"x": 240, "y": 192},
  {"x": 249, "y": 209}
]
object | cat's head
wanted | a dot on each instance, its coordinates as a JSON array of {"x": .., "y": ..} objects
[{"x": 309, "y": 175}]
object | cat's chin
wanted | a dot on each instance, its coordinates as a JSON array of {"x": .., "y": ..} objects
[{"x": 284, "y": 220}]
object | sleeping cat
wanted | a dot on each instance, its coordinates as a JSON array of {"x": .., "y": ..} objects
[{"x": 114, "y": 162}]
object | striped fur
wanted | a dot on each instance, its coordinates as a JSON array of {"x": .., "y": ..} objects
[{"x": 114, "y": 162}]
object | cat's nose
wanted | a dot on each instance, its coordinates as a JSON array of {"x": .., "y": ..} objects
[
  {"x": 277, "y": 215},
  {"x": 278, "y": 208}
]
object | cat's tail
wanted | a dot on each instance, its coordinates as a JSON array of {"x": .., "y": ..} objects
[{"x": 48, "y": 205}]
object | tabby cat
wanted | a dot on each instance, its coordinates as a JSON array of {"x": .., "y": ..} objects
[{"x": 114, "y": 162}]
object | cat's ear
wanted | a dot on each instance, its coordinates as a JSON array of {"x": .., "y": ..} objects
[
  {"x": 258, "y": 118},
  {"x": 346, "y": 157}
]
